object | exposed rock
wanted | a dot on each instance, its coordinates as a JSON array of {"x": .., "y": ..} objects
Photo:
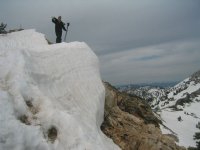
[
  {"x": 52, "y": 134},
  {"x": 196, "y": 75},
  {"x": 131, "y": 124},
  {"x": 24, "y": 119},
  {"x": 128, "y": 103}
]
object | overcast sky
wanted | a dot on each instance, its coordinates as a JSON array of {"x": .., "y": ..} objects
[{"x": 136, "y": 41}]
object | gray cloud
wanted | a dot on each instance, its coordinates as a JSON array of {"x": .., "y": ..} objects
[
  {"x": 171, "y": 61},
  {"x": 130, "y": 37}
]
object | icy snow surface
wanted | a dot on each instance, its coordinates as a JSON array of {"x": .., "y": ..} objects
[{"x": 55, "y": 86}]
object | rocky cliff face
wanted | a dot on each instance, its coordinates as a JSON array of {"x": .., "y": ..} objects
[{"x": 132, "y": 125}]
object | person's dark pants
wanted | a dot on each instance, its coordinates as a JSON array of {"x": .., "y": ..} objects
[{"x": 59, "y": 39}]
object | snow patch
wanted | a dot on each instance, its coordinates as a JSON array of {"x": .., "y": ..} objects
[{"x": 184, "y": 128}]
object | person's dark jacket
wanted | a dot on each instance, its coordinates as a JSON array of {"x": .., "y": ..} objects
[{"x": 58, "y": 26}]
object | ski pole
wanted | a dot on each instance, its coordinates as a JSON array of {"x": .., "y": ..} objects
[{"x": 66, "y": 31}]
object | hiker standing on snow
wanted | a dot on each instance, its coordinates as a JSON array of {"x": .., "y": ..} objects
[{"x": 59, "y": 25}]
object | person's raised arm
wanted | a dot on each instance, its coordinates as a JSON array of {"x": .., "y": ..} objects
[{"x": 54, "y": 20}]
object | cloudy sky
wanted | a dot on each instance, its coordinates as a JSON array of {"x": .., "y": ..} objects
[{"x": 136, "y": 41}]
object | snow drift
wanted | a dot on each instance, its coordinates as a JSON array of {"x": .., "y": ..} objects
[{"x": 51, "y": 96}]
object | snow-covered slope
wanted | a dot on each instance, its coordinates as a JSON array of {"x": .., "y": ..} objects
[
  {"x": 177, "y": 106},
  {"x": 180, "y": 110},
  {"x": 51, "y": 96}
]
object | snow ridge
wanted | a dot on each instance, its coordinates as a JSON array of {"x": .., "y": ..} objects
[{"x": 51, "y": 96}]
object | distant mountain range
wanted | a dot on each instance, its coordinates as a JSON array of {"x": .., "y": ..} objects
[
  {"x": 176, "y": 104},
  {"x": 153, "y": 84}
]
